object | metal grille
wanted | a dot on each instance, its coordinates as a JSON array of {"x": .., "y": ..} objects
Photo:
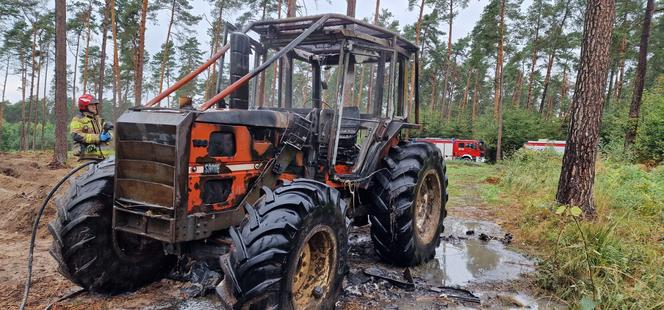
[{"x": 150, "y": 169}]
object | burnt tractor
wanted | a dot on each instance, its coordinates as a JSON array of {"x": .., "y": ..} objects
[{"x": 268, "y": 193}]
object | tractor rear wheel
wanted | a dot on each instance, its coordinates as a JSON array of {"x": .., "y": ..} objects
[
  {"x": 290, "y": 251},
  {"x": 89, "y": 252},
  {"x": 407, "y": 204}
]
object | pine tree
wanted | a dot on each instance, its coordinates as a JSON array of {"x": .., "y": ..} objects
[
  {"x": 555, "y": 41},
  {"x": 219, "y": 7},
  {"x": 60, "y": 154},
  {"x": 140, "y": 54},
  {"x": 77, "y": 25},
  {"x": 180, "y": 18},
  {"x": 189, "y": 57},
  {"x": 533, "y": 24},
  {"x": 451, "y": 7},
  {"x": 498, "y": 97},
  {"x": 106, "y": 15},
  {"x": 639, "y": 76},
  {"x": 577, "y": 176}
]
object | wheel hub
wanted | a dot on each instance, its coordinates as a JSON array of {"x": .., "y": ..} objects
[
  {"x": 428, "y": 206},
  {"x": 314, "y": 271}
]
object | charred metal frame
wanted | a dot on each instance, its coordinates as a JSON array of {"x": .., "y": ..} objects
[{"x": 323, "y": 40}]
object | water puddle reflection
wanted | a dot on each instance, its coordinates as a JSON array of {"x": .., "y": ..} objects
[{"x": 461, "y": 261}]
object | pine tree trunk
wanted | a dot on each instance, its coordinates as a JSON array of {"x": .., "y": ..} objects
[
  {"x": 549, "y": 107},
  {"x": 125, "y": 97},
  {"x": 434, "y": 90},
  {"x": 350, "y": 8},
  {"x": 32, "y": 87},
  {"x": 24, "y": 82},
  {"x": 260, "y": 94},
  {"x": 609, "y": 90},
  {"x": 476, "y": 95},
  {"x": 60, "y": 153},
  {"x": 36, "y": 106},
  {"x": 73, "y": 83},
  {"x": 552, "y": 55},
  {"x": 448, "y": 112},
  {"x": 516, "y": 96},
  {"x": 275, "y": 73},
  {"x": 102, "y": 61},
  {"x": 498, "y": 109},
  {"x": 448, "y": 66},
  {"x": 87, "y": 48},
  {"x": 418, "y": 28},
  {"x": 465, "y": 95},
  {"x": 371, "y": 69},
  {"x": 140, "y": 55},
  {"x": 42, "y": 144},
  {"x": 577, "y": 175},
  {"x": 164, "y": 58},
  {"x": 4, "y": 84},
  {"x": 2, "y": 102},
  {"x": 533, "y": 62},
  {"x": 212, "y": 70},
  {"x": 547, "y": 78},
  {"x": 349, "y": 78},
  {"x": 563, "y": 92},
  {"x": 621, "y": 73},
  {"x": 639, "y": 76},
  {"x": 358, "y": 97},
  {"x": 292, "y": 8},
  {"x": 116, "y": 62},
  {"x": 286, "y": 69}
]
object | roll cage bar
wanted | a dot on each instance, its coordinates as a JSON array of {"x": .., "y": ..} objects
[{"x": 320, "y": 40}]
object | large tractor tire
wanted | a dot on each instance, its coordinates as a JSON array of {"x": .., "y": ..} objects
[
  {"x": 407, "y": 204},
  {"x": 89, "y": 252},
  {"x": 290, "y": 251}
]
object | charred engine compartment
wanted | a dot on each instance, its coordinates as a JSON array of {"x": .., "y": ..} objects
[{"x": 180, "y": 175}]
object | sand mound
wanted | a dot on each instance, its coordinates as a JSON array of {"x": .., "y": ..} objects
[{"x": 25, "y": 180}]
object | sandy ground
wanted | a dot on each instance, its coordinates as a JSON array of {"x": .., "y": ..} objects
[{"x": 25, "y": 180}]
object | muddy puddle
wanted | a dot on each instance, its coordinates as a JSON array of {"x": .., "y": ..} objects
[
  {"x": 462, "y": 258},
  {"x": 473, "y": 268}
]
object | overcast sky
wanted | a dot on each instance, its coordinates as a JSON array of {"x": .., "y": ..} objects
[{"x": 156, "y": 33}]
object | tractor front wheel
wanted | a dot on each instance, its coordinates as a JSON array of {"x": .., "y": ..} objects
[
  {"x": 290, "y": 251},
  {"x": 89, "y": 252}
]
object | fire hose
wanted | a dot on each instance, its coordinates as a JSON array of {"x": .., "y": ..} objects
[{"x": 35, "y": 226}]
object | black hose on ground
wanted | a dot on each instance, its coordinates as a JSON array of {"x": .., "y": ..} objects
[{"x": 26, "y": 291}]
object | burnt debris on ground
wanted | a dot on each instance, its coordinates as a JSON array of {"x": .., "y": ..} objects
[{"x": 471, "y": 261}]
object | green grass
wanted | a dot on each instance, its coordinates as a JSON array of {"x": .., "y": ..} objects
[
  {"x": 624, "y": 241},
  {"x": 467, "y": 176}
]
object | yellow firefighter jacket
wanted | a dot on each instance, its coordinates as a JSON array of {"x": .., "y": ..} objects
[{"x": 85, "y": 129}]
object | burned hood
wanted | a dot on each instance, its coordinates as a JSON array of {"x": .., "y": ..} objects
[{"x": 259, "y": 118}]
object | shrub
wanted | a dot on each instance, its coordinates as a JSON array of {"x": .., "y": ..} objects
[{"x": 650, "y": 136}]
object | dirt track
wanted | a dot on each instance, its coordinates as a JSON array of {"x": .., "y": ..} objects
[{"x": 25, "y": 180}]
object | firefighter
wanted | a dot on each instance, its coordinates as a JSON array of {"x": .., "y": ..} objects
[{"x": 88, "y": 130}]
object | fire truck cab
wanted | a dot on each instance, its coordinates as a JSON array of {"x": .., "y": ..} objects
[{"x": 463, "y": 149}]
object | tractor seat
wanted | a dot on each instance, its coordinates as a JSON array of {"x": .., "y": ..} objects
[
  {"x": 350, "y": 125},
  {"x": 349, "y": 122}
]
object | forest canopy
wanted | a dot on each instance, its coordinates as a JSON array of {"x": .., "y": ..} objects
[{"x": 540, "y": 43}]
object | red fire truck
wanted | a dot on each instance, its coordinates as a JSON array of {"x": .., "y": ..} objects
[{"x": 472, "y": 150}]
